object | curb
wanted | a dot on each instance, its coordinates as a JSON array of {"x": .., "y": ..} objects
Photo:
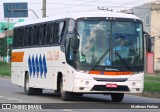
[
  {"x": 7, "y": 77},
  {"x": 149, "y": 94}
]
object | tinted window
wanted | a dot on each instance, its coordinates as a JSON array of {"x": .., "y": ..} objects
[
  {"x": 20, "y": 37},
  {"x": 15, "y": 38},
  {"x": 43, "y": 34},
  {"x": 48, "y": 33},
  {"x": 36, "y": 35},
  {"x": 58, "y": 32}
]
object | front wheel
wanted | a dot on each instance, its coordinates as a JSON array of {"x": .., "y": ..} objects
[
  {"x": 117, "y": 97},
  {"x": 64, "y": 94}
]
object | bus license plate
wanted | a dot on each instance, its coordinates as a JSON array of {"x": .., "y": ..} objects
[{"x": 111, "y": 85}]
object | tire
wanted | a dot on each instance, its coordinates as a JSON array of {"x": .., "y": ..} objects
[
  {"x": 117, "y": 97},
  {"x": 78, "y": 94},
  {"x": 65, "y": 96},
  {"x": 38, "y": 91},
  {"x": 28, "y": 90}
]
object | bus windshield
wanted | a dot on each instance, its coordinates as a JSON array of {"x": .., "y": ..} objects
[{"x": 122, "y": 39}]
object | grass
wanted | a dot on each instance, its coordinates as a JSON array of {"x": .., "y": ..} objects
[
  {"x": 151, "y": 86},
  {"x": 152, "y": 78},
  {"x": 5, "y": 69},
  {"x": 151, "y": 83}
]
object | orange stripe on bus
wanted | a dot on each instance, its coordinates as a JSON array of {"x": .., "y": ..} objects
[
  {"x": 17, "y": 56},
  {"x": 110, "y": 73}
]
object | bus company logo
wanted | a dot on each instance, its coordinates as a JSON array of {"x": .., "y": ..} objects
[
  {"x": 37, "y": 66},
  {"x": 111, "y": 69}
]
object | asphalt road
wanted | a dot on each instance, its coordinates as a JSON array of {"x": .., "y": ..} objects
[{"x": 10, "y": 93}]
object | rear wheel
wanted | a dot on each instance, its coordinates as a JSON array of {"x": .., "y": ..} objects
[
  {"x": 38, "y": 91},
  {"x": 117, "y": 97},
  {"x": 64, "y": 94},
  {"x": 28, "y": 90},
  {"x": 31, "y": 91}
]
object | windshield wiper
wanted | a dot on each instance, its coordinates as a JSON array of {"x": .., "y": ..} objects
[
  {"x": 124, "y": 62},
  {"x": 100, "y": 59},
  {"x": 106, "y": 52}
]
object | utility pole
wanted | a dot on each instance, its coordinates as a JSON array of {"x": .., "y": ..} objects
[
  {"x": 44, "y": 9},
  {"x": 7, "y": 37}
]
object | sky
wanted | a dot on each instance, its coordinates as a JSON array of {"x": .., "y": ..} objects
[{"x": 56, "y": 7}]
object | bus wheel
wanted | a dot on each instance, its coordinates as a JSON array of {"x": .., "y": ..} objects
[
  {"x": 78, "y": 94},
  {"x": 117, "y": 97},
  {"x": 38, "y": 91},
  {"x": 64, "y": 94},
  {"x": 28, "y": 90}
]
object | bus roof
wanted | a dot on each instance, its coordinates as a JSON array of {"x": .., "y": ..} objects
[{"x": 78, "y": 15}]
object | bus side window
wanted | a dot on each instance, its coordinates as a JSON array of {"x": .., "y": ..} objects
[
  {"x": 26, "y": 36},
  {"x": 37, "y": 35},
  {"x": 34, "y": 35},
  {"x": 43, "y": 34},
  {"x": 18, "y": 37},
  {"x": 15, "y": 38},
  {"x": 48, "y": 33},
  {"x": 52, "y": 34},
  {"x": 59, "y": 26},
  {"x": 22, "y": 36},
  {"x": 30, "y": 36}
]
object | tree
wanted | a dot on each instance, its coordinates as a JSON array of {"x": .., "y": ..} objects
[{"x": 3, "y": 47}]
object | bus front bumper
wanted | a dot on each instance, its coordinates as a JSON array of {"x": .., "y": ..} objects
[{"x": 132, "y": 85}]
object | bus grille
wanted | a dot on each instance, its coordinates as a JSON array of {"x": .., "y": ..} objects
[
  {"x": 111, "y": 79},
  {"x": 103, "y": 88}
]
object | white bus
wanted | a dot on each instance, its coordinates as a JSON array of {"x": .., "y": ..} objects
[{"x": 63, "y": 53}]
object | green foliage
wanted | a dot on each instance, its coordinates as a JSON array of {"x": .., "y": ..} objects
[
  {"x": 152, "y": 86},
  {"x": 5, "y": 69},
  {"x": 3, "y": 47},
  {"x": 152, "y": 78}
]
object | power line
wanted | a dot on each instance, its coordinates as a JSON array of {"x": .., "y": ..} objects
[
  {"x": 109, "y": 1},
  {"x": 78, "y": 4},
  {"x": 97, "y": 6},
  {"x": 124, "y": 3},
  {"x": 37, "y": 11},
  {"x": 50, "y": 3},
  {"x": 97, "y": 1},
  {"x": 35, "y": 3}
]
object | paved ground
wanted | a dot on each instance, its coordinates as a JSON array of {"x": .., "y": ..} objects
[{"x": 10, "y": 93}]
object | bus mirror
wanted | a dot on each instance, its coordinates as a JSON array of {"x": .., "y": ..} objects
[
  {"x": 148, "y": 44},
  {"x": 73, "y": 41}
]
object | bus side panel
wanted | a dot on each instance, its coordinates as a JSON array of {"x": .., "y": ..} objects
[
  {"x": 46, "y": 62},
  {"x": 43, "y": 65},
  {"x": 68, "y": 75},
  {"x": 17, "y": 66},
  {"x": 14, "y": 74}
]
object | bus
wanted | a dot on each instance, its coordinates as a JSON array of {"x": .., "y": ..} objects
[{"x": 59, "y": 53}]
